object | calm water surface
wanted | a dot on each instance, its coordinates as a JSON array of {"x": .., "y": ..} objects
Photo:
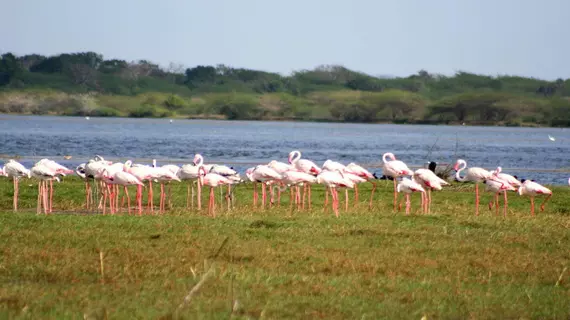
[{"x": 526, "y": 152}]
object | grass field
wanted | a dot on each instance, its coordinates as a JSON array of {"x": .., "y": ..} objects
[{"x": 277, "y": 264}]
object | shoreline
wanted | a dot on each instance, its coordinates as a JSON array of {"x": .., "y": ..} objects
[{"x": 222, "y": 118}]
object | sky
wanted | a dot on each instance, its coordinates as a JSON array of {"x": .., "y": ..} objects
[{"x": 378, "y": 37}]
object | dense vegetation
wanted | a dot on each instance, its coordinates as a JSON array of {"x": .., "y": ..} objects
[{"x": 87, "y": 84}]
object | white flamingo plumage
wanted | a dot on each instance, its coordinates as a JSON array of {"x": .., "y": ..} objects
[
  {"x": 212, "y": 180},
  {"x": 91, "y": 168},
  {"x": 142, "y": 173},
  {"x": 59, "y": 171},
  {"x": 394, "y": 168},
  {"x": 293, "y": 179},
  {"x": 15, "y": 170},
  {"x": 280, "y": 167},
  {"x": 473, "y": 174},
  {"x": 262, "y": 174},
  {"x": 44, "y": 174},
  {"x": 306, "y": 166},
  {"x": 497, "y": 185},
  {"x": 409, "y": 186},
  {"x": 533, "y": 189},
  {"x": 365, "y": 174},
  {"x": 162, "y": 175},
  {"x": 121, "y": 178},
  {"x": 506, "y": 177},
  {"x": 190, "y": 172},
  {"x": 334, "y": 180},
  {"x": 428, "y": 180}
]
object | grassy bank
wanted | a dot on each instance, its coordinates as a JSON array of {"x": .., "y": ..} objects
[{"x": 279, "y": 264}]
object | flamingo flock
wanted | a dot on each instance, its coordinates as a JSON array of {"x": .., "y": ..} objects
[{"x": 104, "y": 179}]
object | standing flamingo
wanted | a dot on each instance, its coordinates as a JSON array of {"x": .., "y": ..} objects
[
  {"x": 43, "y": 173},
  {"x": 212, "y": 180},
  {"x": 306, "y": 166},
  {"x": 142, "y": 173},
  {"x": 474, "y": 174},
  {"x": 59, "y": 171},
  {"x": 497, "y": 185},
  {"x": 408, "y": 186},
  {"x": 333, "y": 180},
  {"x": 428, "y": 180},
  {"x": 506, "y": 177},
  {"x": 262, "y": 174},
  {"x": 189, "y": 172},
  {"x": 16, "y": 170},
  {"x": 365, "y": 174},
  {"x": 231, "y": 174},
  {"x": 162, "y": 175},
  {"x": 174, "y": 170},
  {"x": 281, "y": 168},
  {"x": 355, "y": 179},
  {"x": 394, "y": 168},
  {"x": 124, "y": 179},
  {"x": 293, "y": 179},
  {"x": 330, "y": 165},
  {"x": 533, "y": 189},
  {"x": 91, "y": 169}
]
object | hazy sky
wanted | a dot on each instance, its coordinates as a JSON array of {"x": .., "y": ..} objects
[{"x": 397, "y": 37}]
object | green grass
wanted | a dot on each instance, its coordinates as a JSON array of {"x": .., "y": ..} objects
[{"x": 277, "y": 264}]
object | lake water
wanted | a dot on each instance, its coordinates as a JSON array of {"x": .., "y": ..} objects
[{"x": 526, "y": 152}]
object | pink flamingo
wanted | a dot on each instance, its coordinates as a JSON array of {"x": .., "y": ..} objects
[
  {"x": 262, "y": 174},
  {"x": 199, "y": 162},
  {"x": 355, "y": 179},
  {"x": 162, "y": 175},
  {"x": 533, "y": 189},
  {"x": 394, "y": 168},
  {"x": 408, "y": 186},
  {"x": 142, "y": 173},
  {"x": 497, "y": 185},
  {"x": 281, "y": 168},
  {"x": 189, "y": 172},
  {"x": 428, "y": 180},
  {"x": 293, "y": 179},
  {"x": 15, "y": 170},
  {"x": 212, "y": 180},
  {"x": 365, "y": 174},
  {"x": 229, "y": 173},
  {"x": 221, "y": 170},
  {"x": 330, "y": 165},
  {"x": 122, "y": 178},
  {"x": 474, "y": 174},
  {"x": 43, "y": 174},
  {"x": 169, "y": 174},
  {"x": 59, "y": 170},
  {"x": 91, "y": 169},
  {"x": 305, "y": 166},
  {"x": 333, "y": 180},
  {"x": 506, "y": 177}
]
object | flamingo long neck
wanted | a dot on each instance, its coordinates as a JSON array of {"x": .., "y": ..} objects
[
  {"x": 462, "y": 167},
  {"x": 200, "y": 175},
  {"x": 200, "y": 161},
  {"x": 296, "y": 156},
  {"x": 388, "y": 155}
]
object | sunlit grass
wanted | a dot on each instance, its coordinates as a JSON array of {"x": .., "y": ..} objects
[{"x": 279, "y": 263}]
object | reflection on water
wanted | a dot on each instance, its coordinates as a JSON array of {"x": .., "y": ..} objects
[{"x": 520, "y": 151}]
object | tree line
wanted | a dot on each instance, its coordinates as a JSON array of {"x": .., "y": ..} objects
[{"x": 85, "y": 83}]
